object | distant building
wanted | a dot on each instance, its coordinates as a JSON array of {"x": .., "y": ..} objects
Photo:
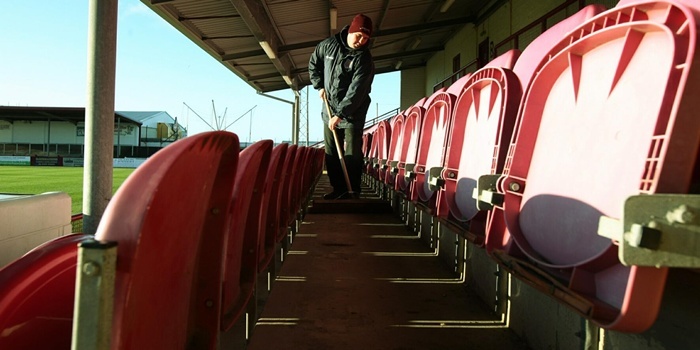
[
  {"x": 61, "y": 131},
  {"x": 157, "y": 128}
]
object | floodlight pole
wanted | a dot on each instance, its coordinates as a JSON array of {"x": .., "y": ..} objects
[{"x": 99, "y": 111}]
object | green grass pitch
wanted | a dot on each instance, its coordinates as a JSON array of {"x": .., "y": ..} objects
[{"x": 36, "y": 179}]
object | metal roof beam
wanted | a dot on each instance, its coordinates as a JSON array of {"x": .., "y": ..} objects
[
  {"x": 257, "y": 20},
  {"x": 433, "y": 49}
]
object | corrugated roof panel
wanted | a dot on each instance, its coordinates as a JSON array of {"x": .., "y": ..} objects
[
  {"x": 402, "y": 16},
  {"x": 353, "y": 7},
  {"x": 300, "y": 24},
  {"x": 286, "y": 13},
  {"x": 230, "y": 45},
  {"x": 221, "y": 26},
  {"x": 200, "y": 8},
  {"x": 303, "y": 32}
]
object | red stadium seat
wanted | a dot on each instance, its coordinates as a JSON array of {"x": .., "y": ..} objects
[
  {"x": 506, "y": 60},
  {"x": 610, "y": 115},
  {"x": 483, "y": 117},
  {"x": 410, "y": 136},
  {"x": 158, "y": 218},
  {"x": 37, "y": 296},
  {"x": 367, "y": 140},
  {"x": 307, "y": 178},
  {"x": 483, "y": 122},
  {"x": 296, "y": 185},
  {"x": 368, "y": 148},
  {"x": 274, "y": 184},
  {"x": 381, "y": 139},
  {"x": 287, "y": 212},
  {"x": 169, "y": 221},
  {"x": 413, "y": 125},
  {"x": 241, "y": 248},
  {"x": 433, "y": 141},
  {"x": 320, "y": 160},
  {"x": 394, "y": 150}
]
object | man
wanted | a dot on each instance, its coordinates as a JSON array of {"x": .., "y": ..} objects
[{"x": 341, "y": 68}]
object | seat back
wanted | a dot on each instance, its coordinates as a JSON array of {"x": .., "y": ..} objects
[
  {"x": 382, "y": 138},
  {"x": 37, "y": 293},
  {"x": 287, "y": 212},
  {"x": 306, "y": 170},
  {"x": 434, "y": 140},
  {"x": 485, "y": 118},
  {"x": 611, "y": 113},
  {"x": 532, "y": 55},
  {"x": 413, "y": 121},
  {"x": 241, "y": 248},
  {"x": 367, "y": 148},
  {"x": 395, "y": 144},
  {"x": 479, "y": 135},
  {"x": 274, "y": 182},
  {"x": 169, "y": 221}
]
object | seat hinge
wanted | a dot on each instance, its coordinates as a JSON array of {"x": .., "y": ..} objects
[
  {"x": 486, "y": 193},
  {"x": 435, "y": 181},
  {"x": 409, "y": 174},
  {"x": 657, "y": 230},
  {"x": 394, "y": 166}
]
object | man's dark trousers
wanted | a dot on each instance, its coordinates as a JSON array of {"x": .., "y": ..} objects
[{"x": 352, "y": 138}]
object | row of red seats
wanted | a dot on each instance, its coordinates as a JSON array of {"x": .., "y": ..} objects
[
  {"x": 194, "y": 226},
  {"x": 531, "y": 155}
]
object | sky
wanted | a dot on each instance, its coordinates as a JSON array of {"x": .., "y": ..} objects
[{"x": 43, "y": 63}]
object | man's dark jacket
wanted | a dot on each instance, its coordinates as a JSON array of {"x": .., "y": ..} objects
[{"x": 347, "y": 76}]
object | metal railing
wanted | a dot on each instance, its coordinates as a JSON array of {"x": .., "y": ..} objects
[
  {"x": 384, "y": 116},
  {"x": 470, "y": 67}
]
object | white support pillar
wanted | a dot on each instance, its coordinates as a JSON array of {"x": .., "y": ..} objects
[{"x": 99, "y": 111}]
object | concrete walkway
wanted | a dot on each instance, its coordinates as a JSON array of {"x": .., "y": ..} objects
[{"x": 361, "y": 280}]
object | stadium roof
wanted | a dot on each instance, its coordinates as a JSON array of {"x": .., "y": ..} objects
[
  {"x": 68, "y": 114},
  {"x": 267, "y": 43},
  {"x": 142, "y": 116}
]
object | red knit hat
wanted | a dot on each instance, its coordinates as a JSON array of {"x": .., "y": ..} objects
[{"x": 361, "y": 23}]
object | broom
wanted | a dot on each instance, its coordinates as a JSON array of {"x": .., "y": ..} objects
[{"x": 340, "y": 151}]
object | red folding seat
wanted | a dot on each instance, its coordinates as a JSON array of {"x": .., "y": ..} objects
[
  {"x": 306, "y": 177},
  {"x": 169, "y": 220},
  {"x": 274, "y": 183},
  {"x": 483, "y": 115},
  {"x": 394, "y": 149},
  {"x": 381, "y": 138},
  {"x": 410, "y": 135},
  {"x": 367, "y": 140},
  {"x": 295, "y": 185},
  {"x": 169, "y": 224},
  {"x": 320, "y": 158},
  {"x": 241, "y": 246},
  {"x": 413, "y": 124},
  {"x": 287, "y": 212},
  {"x": 368, "y": 148},
  {"x": 37, "y": 295},
  {"x": 482, "y": 125},
  {"x": 607, "y": 130},
  {"x": 433, "y": 142}
]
